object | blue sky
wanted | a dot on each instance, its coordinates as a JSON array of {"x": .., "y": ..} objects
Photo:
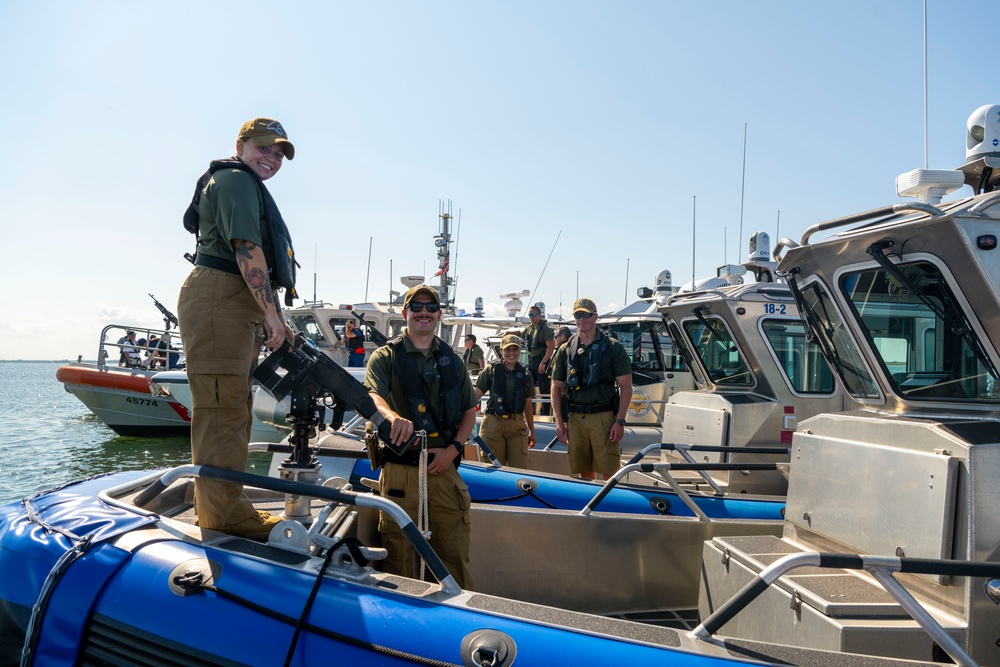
[{"x": 602, "y": 120}]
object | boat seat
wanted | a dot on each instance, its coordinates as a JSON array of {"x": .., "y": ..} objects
[{"x": 816, "y": 608}]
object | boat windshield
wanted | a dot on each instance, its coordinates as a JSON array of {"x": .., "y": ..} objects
[
  {"x": 648, "y": 346},
  {"x": 799, "y": 359},
  {"x": 306, "y": 325},
  {"x": 714, "y": 345},
  {"x": 920, "y": 334},
  {"x": 832, "y": 336},
  {"x": 683, "y": 350}
]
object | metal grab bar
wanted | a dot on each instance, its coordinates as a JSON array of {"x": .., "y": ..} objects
[
  {"x": 664, "y": 469},
  {"x": 915, "y": 207},
  {"x": 367, "y": 500},
  {"x": 881, "y": 567}
]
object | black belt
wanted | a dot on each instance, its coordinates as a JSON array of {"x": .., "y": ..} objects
[
  {"x": 210, "y": 262},
  {"x": 412, "y": 457},
  {"x": 509, "y": 415},
  {"x": 591, "y": 409}
]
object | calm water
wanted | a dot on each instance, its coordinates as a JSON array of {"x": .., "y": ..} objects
[{"x": 48, "y": 437}]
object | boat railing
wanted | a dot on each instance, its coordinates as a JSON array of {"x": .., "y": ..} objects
[
  {"x": 662, "y": 469},
  {"x": 684, "y": 450},
  {"x": 886, "y": 213},
  {"x": 160, "y": 481},
  {"x": 111, "y": 352},
  {"x": 879, "y": 567}
]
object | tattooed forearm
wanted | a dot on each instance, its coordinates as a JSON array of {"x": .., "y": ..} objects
[{"x": 256, "y": 277}]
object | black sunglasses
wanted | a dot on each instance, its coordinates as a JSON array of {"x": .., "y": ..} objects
[
  {"x": 417, "y": 306},
  {"x": 584, "y": 316}
]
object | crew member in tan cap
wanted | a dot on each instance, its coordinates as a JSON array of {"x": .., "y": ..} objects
[
  {"x": 419, "y": 383},
  {"x": 587, "y": 369},
  {"x": 227, "y": 307},
  {"x": 508, "y": 427}
]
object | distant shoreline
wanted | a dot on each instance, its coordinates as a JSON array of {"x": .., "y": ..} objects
[{"x": 39, "y": 361}]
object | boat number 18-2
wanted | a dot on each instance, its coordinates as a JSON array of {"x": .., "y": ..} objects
[{"x": 774, "y": 308}]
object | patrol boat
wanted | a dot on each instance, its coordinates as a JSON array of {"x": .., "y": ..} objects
[
  {"x": 124, "y": 397},
  {"x": 890, "y": 513}
]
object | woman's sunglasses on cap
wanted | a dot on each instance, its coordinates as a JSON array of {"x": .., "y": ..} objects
[{"x": 417, "y": 306}]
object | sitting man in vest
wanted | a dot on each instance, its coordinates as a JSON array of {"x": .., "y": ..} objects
[
  {"x": 508, "y": 428},
  {"x": 420, "y": 384},
  {"x": 586, "y": 370}
]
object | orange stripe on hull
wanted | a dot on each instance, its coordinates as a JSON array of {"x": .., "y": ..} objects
[{"x": 109, "y": 378}]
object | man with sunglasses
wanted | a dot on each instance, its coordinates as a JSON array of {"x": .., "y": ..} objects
[
  {"x": 540, "y": 342},
  {"x": 591, "y": 418},
  {"x": 419, "y": 383}
]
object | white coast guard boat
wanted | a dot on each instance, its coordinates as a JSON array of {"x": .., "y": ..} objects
[{"x": 123, "y": 396}]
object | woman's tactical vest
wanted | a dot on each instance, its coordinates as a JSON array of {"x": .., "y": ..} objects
[
  {"x": 497, "y": 405},
  {"x": 280, "y": 255}
]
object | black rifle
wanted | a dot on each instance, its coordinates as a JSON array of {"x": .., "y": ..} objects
[
  {"x": 312, "y": 375},
  {"x": 376, "y": 336},
  {"x": 169, "y": 319}
]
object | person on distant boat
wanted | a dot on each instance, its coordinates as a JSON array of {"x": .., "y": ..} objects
[
  {"x": 164, "y": 354},
  {"x": 354, "y": 341},
  {"x": 474, "y": 357},
  {"x": 586, "y": 369},
  {"x": 539, "y": 340},
  {"x": 419, "y": 384},
  {"x": 228, "y": 306},
  {"x": 508, "y": 427},
  {"x": 130, "y": 350},
  {"x": 126, "y": 343}
]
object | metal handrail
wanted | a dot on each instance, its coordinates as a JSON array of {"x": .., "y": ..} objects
[
  {"x": 880, "y": 567},
  {"x": 367, "y": 500},
  {"x": 915, "y": 207},
  {"x": 664, "y": 469}
]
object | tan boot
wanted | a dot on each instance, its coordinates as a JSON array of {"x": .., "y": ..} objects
[{"x": 255, "y": 527}]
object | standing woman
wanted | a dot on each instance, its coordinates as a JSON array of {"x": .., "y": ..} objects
[
  {"x": 228, "y": 307},
  {"x": 508, "y": 427}
]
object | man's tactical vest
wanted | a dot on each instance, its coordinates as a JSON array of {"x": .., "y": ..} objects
[
  {"x": 584, "y": 370},
  {"x": 413, "y": 388},
  {"x": 280, "y": 256},
  {"x": 497, "y": 404}
]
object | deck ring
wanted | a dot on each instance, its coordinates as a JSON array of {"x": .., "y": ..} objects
[
  {"x": 527, "y": 485},
  {"x": 660, "y": 504},
  {"x": 488, "y": 647},
  {"x": 201, "y": 570}
]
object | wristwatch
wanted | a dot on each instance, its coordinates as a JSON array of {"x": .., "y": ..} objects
[
  {"x": 459, "y": 446},
  {"x": 620, "y": 421}
]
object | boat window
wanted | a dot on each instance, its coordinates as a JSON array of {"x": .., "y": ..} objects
[
  {"x": 395, "y": 327},
  {"x": 308, "y": 327},
  {"x": 648, "y": 346},
  {"x": 714, "y": 345},
  {"x": 920, "y": 333},
  {"x": 832, "y": 336},
  {"x": 683, "y": 349},
  {"x": 799, "y": 359}
]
